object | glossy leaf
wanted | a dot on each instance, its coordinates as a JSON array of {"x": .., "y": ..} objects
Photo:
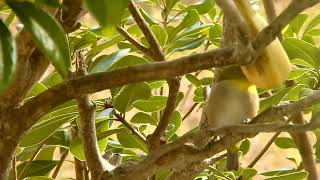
[
  {"x": 190, "y": 19},
  {"x": 174, "y": 124},
  {"x": 297, "y": 48},
  {"x": 160, "y": 34},
  {"x": 37, "y": 168},
  {"x": 129, "y": 94},
  {"x": 107, "y": 12},
  {"x": 44, "y": 129},
  {"x": 103, "y": 62},
  {"x": 8, "y": 57},
  {"x": 285, "y": 142},
  {"x": 295, "y": 175},
  {"x": 143, "y": 118},
  {"x": 131, "y": 141},
  {"x": 126, "y": 61},
  {"x": 297, "y": 22},
  {"x": 193, "y": 80},
  {"x": 313, "y": 23},
  {"x": 47, "y": 34},
  {"x": 154, "y": 103},
  {"x": 170, "y": 4}
]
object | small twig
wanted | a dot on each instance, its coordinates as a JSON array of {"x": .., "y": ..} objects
[
  {"x": 14, "y": 168},
  {"x": 35, "y": 154},
  {"x": 190, "y": 111},
  {"x": 130, "y": 127},
  {"x": 132, "y": 40},
  {"x": 59, "y": 165},
  {"x": 189, "y": 171},
  {"x": 155, "y": 139},
  {"x": 78, "y": 169},
  {"x": 267, "y": 146},
  {"x": 157, "y": 54}
]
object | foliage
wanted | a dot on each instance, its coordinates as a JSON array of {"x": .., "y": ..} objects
[{"x": 178, "y": 27}]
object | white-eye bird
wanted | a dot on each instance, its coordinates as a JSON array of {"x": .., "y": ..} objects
[{"x": 232, "y": 100}]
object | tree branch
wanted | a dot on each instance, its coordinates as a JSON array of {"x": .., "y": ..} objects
[
  {"x": 304, "y": 146},
  {"x": 130, "y": 127},
  {"x": 155, "y": 48},
  {"x": 157, "y": 137},
  {"x": 268, "y": 34},
  {"x": 87, "y": 111},
  {"x": 271, "y": 13},
  {"x": 230, "y": 10},
  {"x": 133, "y": 41}
]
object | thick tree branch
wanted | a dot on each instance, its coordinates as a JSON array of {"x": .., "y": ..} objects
[
  {"x": 105, "y": 80},
  {"x": 305, "y": 148},
  {"x": 175, "y": 154},
  {"x": 271, "y": 14},
  {"x": 87, "y": 111}
]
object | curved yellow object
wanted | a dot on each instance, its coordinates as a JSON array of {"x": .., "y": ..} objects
[{"x": 273, "y": 66}]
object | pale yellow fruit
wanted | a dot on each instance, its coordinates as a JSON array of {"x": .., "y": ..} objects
[{"x": 273, "y": 66}]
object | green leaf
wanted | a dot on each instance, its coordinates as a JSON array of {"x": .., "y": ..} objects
[
  {"x": 108, "y": 43},
  {"x": 215, "y": 34},
  {"x": 44, "y": 129},
  {"x": 36, "y": 90},
  {"x": 59, "y": 138},
  {"x": 160, "y": 34},
  {"x": 39, "y": 178},
  {"x": 285, "y": 143},
  {"x": 245, "y": 146},
  {"x": 150, "y": 20},
  {"x": 186, "y": 44},
  {"x": 110, "y": 132},
  {"x": 193, "y": 80},
  {"x": 203, "y": 7},
  {"x": 37, "y": 168},
  {"x": 47, "y": 34},
  {"x": 156, "y": 84},
  {"x": 52, "y": 80},
  {"x": 10, "y": 19},
  {"x": 154, "y": 103},
  {"x": 129, "y": 94},
  {"x": 295, "y": 175},
  {"x": 174, "y": 124},
  {"x": 273, "y": 100},
  {"x": 247, "y": 173},
  {"x": 86, "y": 39},
  {"x": 313, "y": 23},
  {"x": 131, "y": 141},
  {"x": 170, "y": 4},
  {"x": 297, "y": 48},
  {"x": 314, "y": 32},
  {"x": 297, "y": 22},
  {"x": 103, "y": 62},
  {"x": 126, "y": 61},
  {"x": 189, "y": 20},
  {"x": 8, "y": 57},
  {"x": 143, "y": 118},
  {"x": 107, "y": 12},
  {"x": 46, "y": 153}
]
